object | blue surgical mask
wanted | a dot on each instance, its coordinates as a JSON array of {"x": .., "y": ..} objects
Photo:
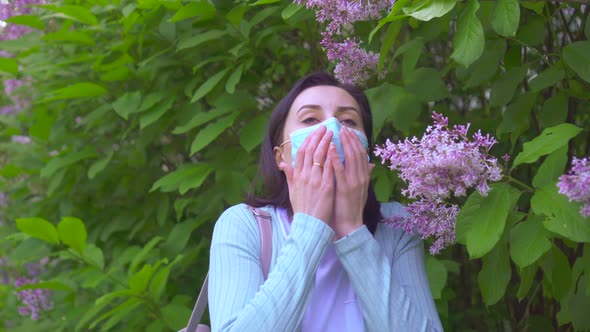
[{"x": 332, "y": 124}]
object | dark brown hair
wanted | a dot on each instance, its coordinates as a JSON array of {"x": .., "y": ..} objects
[{"x": 275, "y": 189}]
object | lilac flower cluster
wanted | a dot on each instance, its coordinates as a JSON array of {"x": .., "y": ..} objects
[
  {"x": 36, "y": 300},
  {"x": 443, "y": 164},
  {"x": 576, "y": 184},
  {"x": 13, "y": 8},
  {"x": 354, "y": 65}
]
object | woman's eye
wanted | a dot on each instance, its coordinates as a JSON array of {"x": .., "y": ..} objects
[
  {"x": 310, "y": 120},
  {"x": 348, "y": 122}
]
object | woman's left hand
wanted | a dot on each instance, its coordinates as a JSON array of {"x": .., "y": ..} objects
[{"x": 352, "y": 184}]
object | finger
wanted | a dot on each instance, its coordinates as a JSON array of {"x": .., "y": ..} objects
[
  {"x": 350, "y": 154},
  {"x": 371, "y": 168},
  {"x": 328, "y": 174},
  {"x": 321, "y": 151},
  {"x": 359, "y": 152},
  {"x": 337, "y": 165},
  {"x": 288, "y": 170},
  {"x": 311, "y": 147},
  {"x": 300, "y": 156}
]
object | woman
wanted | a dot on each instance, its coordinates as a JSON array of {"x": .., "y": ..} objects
[{"x": 335, "y": 266}]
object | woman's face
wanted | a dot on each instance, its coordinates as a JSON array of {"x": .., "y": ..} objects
[{"x": 315, "y": 105}]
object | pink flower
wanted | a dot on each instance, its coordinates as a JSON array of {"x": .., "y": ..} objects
[
  {"x": 443, "y": 164},
  {"x": 576, "y": 184},
  {"x": 21, "y": 139}
]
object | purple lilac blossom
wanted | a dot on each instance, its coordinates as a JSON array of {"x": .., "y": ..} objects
[
  {"x": 342, "y": 13},
  {"x": 576, "y": 184},
  {"x": 21, "y": 139},
  {"x": 443, "y": 164},
  {"x": 34, "y": 300},
  {"x": 354, "y": 65}
]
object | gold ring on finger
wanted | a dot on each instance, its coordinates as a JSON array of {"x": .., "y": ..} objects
[{"x": 318, "y": 164}]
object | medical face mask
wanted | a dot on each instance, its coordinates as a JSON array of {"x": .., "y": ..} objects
[{"x": 332, "y": 124}]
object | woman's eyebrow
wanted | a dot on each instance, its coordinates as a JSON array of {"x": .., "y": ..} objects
[{"x": 339, "y": 109}]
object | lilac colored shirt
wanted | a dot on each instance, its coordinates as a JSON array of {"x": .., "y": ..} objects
[{"x": 333, "y": 305}]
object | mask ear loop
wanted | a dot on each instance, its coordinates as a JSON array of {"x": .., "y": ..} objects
[{"x": 285, "y": 142}]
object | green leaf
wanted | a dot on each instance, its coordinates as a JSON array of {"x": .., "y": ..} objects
[
  {"x": 139, "y": 281},
  {"x": 94, "y": 256},
  {"x": 532, "y": 33},
  {"x": 527, "y": 276},
  {"x": 481, "y": 221},
  {"x": 558, "y": 271},
  {"x": 533, "y": 5},
  {"x": 577, "y": 305},
  {"x": 156, "y": 113},
  {"x": 529, "y": 240},
  {"x": 387, "y": 42},
  {"x": 208, "y": 85},
  {"x": 175, "y": 315},
  {"x": 547, "y": 78},
  {"x": 127, "y": 104},
  {"x": 426, "y": 79},
  {"x": 60, "y": 162},
  {"x": 577, "y": 56},
  {"x": 469, "y": 39},
  {"x": 487, "y": 65},
  {"x": 234, "y": 79},
  {"x": 199, "y": 39},
  {"x": 506, "y": 17},
  {"x": 29, "y": 20},
  {"x": 495, "y": 274},
  {"x": 392, "y": 16},
  {"x": 430, "y": 9},
  {"x": 158, "y": 282},
  {"x": 211, "y": 132},
  {"x": 184, "y": 178},
  {"x": 550, "y": 140},
  {"x": 395, "y": 104},
  {"x": 563, "y": 217},
  {"x": 203, "y": 9},
  {"x": 200, "y": 119},
  {"x": 437, "y": 276},
  {"x": 587, "y": 33},
  {"x": 99, "y": 165},
  {"x": 554, "y": 110},
  {"x": 252, "y": 133},
  {"x": 38, "y": 228},
  {"x": 503, "y": 89},
  {"x": 140, "y": 257},
  {"x": 79, "y": 90},
  {"x": 516, "y": 117},
  {"x": 178, "y": 237},
  {"x": 73, "y": 233},
  {"x": 9, "y": 65},
  {"x": 151, "y": 99},
  {"x": 551, "y": 168},
  {"x": 290, "y": 10},
  {"x": 76, "y": 37},
  {"x": 76, "y": 13}
]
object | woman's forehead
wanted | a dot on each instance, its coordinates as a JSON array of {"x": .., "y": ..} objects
[{"x": 324, "y": 96}]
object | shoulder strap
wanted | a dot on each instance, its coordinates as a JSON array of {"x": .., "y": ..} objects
[{"x": 264, "y": 221}]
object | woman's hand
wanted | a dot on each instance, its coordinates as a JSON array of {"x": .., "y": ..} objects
[
  {"x": 311, "y": 182},
  {"x": 352, "y": 184}
]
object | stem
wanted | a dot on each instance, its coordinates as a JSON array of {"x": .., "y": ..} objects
[{"x": 523, "y": 185}]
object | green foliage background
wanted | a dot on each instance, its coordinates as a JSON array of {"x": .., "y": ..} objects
[{"x": 146, "y": 119}]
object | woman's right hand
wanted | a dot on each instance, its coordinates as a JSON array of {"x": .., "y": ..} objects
[{"x": 311, "y": 182}]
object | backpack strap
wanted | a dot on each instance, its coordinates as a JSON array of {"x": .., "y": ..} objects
[{"x": 264, "y": 222}]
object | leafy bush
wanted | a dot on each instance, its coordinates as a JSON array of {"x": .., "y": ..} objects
[{"x": 137, "y": 123}]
